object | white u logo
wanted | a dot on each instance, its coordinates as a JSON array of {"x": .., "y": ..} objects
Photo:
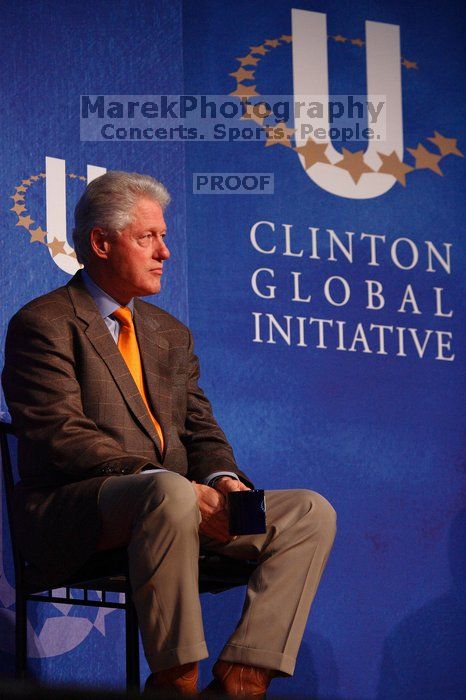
[
  {"x": 55, "y": 198},
  {"x": 310, "y": 78}
]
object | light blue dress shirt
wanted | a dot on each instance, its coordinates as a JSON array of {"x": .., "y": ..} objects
[{"x": 107, "y": 305}]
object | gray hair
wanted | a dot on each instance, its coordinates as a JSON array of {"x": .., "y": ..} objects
[{"x": 108, "y": 202}]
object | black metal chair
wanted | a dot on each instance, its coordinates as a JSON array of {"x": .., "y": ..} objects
[{"x": 105, "y": 572}]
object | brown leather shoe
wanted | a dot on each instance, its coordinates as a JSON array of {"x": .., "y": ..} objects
[
  {"x": 179, "y": 679},
  {"x": 238, "y": 680}
]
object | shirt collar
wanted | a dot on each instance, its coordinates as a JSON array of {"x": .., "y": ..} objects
[{"x": 104, "y": 302}]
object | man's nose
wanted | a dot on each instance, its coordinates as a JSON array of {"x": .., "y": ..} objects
[{"x": 161, "y": 251}]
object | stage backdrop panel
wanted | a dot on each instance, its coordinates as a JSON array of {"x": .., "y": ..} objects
[
  {"x": 53, "y": 52},
  {"x": 327, "y": 316}
]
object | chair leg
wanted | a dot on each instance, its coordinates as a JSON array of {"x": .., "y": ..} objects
[
  {"x": 132, "y": 645},
  {"x": 21, "y": 640}
]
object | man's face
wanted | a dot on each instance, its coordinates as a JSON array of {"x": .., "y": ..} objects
[{"x": 135, "y": 257}]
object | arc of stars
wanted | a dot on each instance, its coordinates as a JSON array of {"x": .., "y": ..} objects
[
  {"x": 311, "y": 151},
  {"x": 38, "y": 234},
  {"x": 288, "y": 38}
]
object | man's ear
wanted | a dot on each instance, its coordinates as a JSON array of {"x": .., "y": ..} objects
[{"x": 99, "y": 242}]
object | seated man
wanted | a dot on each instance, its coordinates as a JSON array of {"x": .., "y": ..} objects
[{"x": 118, "y": 447}]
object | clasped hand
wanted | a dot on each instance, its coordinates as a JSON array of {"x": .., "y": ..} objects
[{"x": 213, "y": 506}]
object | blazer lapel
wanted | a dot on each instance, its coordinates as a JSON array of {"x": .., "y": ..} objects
[
  {"x": 102, "y": 341},
  {"x": 155, "y": 361}
]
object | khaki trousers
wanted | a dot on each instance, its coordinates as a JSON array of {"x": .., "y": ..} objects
[{"x": 157, "y": 518}]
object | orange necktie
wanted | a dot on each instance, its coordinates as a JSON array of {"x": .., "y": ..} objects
[{"x": 128, "y": 346}]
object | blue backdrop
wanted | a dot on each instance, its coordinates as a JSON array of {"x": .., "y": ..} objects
[{"x": 310, "y": 388}]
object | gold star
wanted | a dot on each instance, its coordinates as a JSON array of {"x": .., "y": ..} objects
[
  {"x": 72, "y": 254},
  {"x": 445, "y": 145},
  {"x": 25, "y": 221},
  {"x": 38, "y": 235},
  {"x": 253, "y": 113},
  {"x": 354, "y": 164},
  {"x": 34, "y": 177},
  {"x": 425, "y": 160},
  {"x": 341, "y": 39},
  {"x": 263, "y": 109},
  {"x": 18, "y": 208},
  {"x": 357, "y": 42},
  {"x": 278, "y": 134},
  {"x": 81, "y": 177},
  {"x": 248, "y": 60},
  {"x": 56, "y": 247},
  {"x": 313, "y": 153},
  {"x": 245, "y": 91},
  {"x": 259, "y": 49},
  {"x": 287, "y": 37},
  {"x": 18, "y": 197},
  {"x": 272, "y": 42},
  {"x": 25, "y": 182},
  {"x": 72, "y": 176},
  {"x": 409, "y": 64},
  {"x": 242, "y": 74},
  {"x": 21, "y": 188},
  {"x": 392, "y": 165}
]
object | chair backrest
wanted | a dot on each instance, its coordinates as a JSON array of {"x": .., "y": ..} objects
[{"x": 7, "y": 436}]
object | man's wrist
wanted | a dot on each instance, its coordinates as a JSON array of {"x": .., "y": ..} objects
[{"x": 215, "y": 476}]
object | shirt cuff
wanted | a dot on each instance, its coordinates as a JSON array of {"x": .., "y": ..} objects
[{"x": 212, "y": 478}]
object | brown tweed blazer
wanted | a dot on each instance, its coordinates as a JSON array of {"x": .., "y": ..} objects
[{"x": 80, "y": 417}]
